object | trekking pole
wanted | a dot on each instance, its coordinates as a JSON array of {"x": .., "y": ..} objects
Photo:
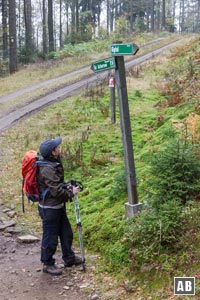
[
  {"x": 78, "y": 224},
  {"x": 23, "y": 206},
  {"x": 79, "y": 228}
]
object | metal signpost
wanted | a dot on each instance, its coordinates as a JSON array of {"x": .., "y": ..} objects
[
  {"x": 118, "y": 50},
  {"x": 132, "y": 206},
  {"x": 112, "y": 99}
]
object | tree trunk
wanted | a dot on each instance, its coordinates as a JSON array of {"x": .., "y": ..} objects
[
  {"x": 98, "y": 14},
  {"x": 157, "y": 13},
  {"x": 163, "y": 14},
  {"x": 112, "y": 15},
  {"x": 5, "y": 28},
  {"x": 28, "y": 30},
  {"x": 174, "y": 12},
  {"x": 61, "y": 42},
  {"x": 197, "y": 25},
  {"x": 152, "y": 15},
  {"x": 50, "y": 26},
  {"x": 67, "y": 16},
  {"x": 182, "y": 15},
  {"x": 77, "y": 16},
  {"x": 148, "y": 15},
  {"x": 20, "y": 30},
  {"x": 131, "y": 15},
  {"x": 44, "y": 29},
  {"x": 73, "y": 21},
  {"x": 108, "y": 16},
  {"x": 12, "y": 37}
]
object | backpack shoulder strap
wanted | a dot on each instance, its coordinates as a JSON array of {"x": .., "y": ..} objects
[{"x": 42, "y": 163}]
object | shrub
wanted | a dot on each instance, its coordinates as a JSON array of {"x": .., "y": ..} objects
[
  {"x": 119, "y": 186},
  {"x": 153, "y": 232},
  {"x": 174, "y": 174},
  {"x": 3, "y": 67},
  {"x": 157, "y": 232}
]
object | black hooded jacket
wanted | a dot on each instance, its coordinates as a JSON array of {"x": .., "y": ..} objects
[{"x": 51, "y": 181}]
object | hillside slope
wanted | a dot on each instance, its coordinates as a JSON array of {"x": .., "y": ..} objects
[{"x": 163, "y": 94}]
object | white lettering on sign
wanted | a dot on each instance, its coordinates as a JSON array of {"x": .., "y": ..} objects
[
  {"x": 184, "y": 285},
  {"x": 102, "y": 66},
  {"x": 188, "y": 286},
  {"x": 114, "y": 49},
  {"x": 184, "y": 288},
  {"x": 180, "y": 286}
]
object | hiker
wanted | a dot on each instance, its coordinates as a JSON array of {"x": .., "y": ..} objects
[{"x": 55, "y": 193}]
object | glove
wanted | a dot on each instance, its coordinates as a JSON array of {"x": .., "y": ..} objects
[{"x": 75, "y": 189}]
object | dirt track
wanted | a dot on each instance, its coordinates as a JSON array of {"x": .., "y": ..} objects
[
  {"x": 22, "y": 111},
  {"x": 21, "y": 276}
]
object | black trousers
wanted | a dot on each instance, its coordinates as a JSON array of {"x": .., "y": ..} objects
[{"x": 55, "y": 225}]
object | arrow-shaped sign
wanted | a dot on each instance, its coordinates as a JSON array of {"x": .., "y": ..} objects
[
  {"x": 103, "y": 65},
  {"x": 123, "y": 49}
]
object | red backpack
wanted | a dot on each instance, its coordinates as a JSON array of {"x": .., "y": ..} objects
[
  {"x": 30, "y": 165},
  {"x": 29, "y": 175}
]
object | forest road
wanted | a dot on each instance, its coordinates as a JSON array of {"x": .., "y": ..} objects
[{"x": 22, "y": 111}]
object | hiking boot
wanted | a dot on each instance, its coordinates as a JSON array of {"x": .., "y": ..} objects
[
  {"x": 76, "y": 261},
  {"x": 53, "y": 270}
]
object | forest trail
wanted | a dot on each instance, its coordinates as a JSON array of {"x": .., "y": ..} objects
[{"x": 21, "y": 274}]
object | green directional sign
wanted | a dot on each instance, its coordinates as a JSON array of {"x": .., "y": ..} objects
[
  {"x": 123, "y": 49},
  {"x": 103, "y": 65}
]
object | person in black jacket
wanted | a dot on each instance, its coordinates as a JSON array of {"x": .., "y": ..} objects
[{"x": 54, "y": 194}]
